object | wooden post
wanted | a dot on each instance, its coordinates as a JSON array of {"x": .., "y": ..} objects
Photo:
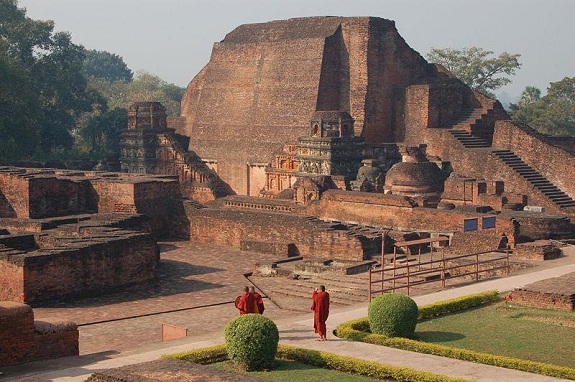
[
  {"x": 369, "y": 287},
  {"x": 476, "y": 266}
]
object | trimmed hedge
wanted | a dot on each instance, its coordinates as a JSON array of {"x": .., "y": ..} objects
[
  {"x": 203, "y": 356},
  {"x": 252, "y": 341},
  {"x": 358, "y": 330},
  {"x": 443, "y": 308},
  {"x": 324, "y": 360},
  {"x": 393, "y": 315}
]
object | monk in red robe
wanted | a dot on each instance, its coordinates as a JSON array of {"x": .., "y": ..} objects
[
  {"x": 246, "y": 303},
  {"x": 320, "y": 309},
  {"x": 258, "y": 300}
]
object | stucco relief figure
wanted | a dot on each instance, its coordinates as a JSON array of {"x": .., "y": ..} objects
[
  {"x": 326, "y": 168},
  {"x": 315, "y": 168}
]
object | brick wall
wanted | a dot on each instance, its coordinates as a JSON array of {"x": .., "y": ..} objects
[
  {"x": 11, "y": 281},
  {"x": 537, "y": 250},
  {"x": 14, "y": 195},
  {"x": 78, "y": 266},
  {"x": 16, "y": 334},
  {"x": 397, "y": 212},
  {"x": 23, "y": 340},
  {"x": 229, "y": 227},
  {"x": 92, "y": 269},
  {"x": 157, "y": 199},
  {"x": 55, "y": 196},
  {"x": 54, "y": 340}
]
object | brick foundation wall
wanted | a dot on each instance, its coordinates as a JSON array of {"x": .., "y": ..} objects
[
  {"x": 229, "y": 227},
  {"x": 543, "y": 300},
  {"x": 11, "y": 281},
  {"x": 468, "y": 242},
  {"x": 538, "y": 250},
  {"x": 55, "y": 196},
  {"x": 535, "y": 226},
  {"x": 92, "y": 269},
  {"x": 397, "y": 212},
  {"x": 159, "y": 200},
  {"x": 81, "y": 266},
  {"x": 55, "y": 340}
]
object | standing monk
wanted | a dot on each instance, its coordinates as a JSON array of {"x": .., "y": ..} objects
[
  {"x": 320, "y": 309},
  {"x": 246, "y": 302},
  {"x": 258, "y": 300}
]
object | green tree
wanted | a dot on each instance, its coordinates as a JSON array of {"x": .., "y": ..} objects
[
  {"x": 42, "y": 88},
  {"x": 529, "y": 107},
  {"x": 552, "y": 114},
  {"x": 106, "y": 66},
  {"x": 144, "y": 87},
  {"x": 475, "y": 66},
  {"x": 100, "y": 132}
]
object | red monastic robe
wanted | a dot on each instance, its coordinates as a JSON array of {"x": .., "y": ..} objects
[
  {"x": 320, "y": 307},
  {"x": 246, "y": 303}
]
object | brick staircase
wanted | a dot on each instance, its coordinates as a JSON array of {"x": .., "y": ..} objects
[
  {"x": 469, "y": 141},
  {"x": 470, "y": 128},
  {"x": 538, "y": 181},
  {"x": 469, "y": 117}
]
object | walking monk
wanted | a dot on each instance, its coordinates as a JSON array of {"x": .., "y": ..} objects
[
  {"x": 246, "y": 303},
  {"x": 320, "y": 309}
]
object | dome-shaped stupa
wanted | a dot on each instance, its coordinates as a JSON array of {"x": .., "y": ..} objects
[{"x": 415, "y": 176}]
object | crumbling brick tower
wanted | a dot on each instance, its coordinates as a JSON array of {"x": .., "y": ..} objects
[{"x": 264, "y": 81}]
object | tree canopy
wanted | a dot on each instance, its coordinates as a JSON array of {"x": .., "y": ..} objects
[
  {"x": 475, "y": 66},
  {"x": 106, "y": 66},
  {"x": 59, "y": 100},
  {"x": 42, "y": 88},
  {"x": 552, "y": 114}
]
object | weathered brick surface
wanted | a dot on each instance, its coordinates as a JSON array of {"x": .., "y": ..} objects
[
  {"x": 231, "y": 227},
  {"x": 270, "y": 78},
  {"x": 22, "y": 340},
  {"x": 554, "y": 293},
  {"x": 17, "y": 333},
  {"x": 553, "y": 161},
  {"x": 41, "y": 193},
  {"x": 60, "y": 340},
  {"x": 537, "y": 250},
  {"x": 399, "y": 213},
  {"x": 76, "y": 259}
]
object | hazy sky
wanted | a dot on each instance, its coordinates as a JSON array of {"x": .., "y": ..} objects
[{"x": 173, "y": 38}]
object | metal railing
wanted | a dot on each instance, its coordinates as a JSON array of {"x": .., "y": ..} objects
[{"x": 439, "y": 270}]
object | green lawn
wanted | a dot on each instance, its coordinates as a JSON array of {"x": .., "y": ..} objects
[
  {"x": 289, "y": 371},
  {"x": 509, "y": 330}
]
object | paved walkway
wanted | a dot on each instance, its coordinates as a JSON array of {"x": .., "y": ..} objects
[{"x": 297, "y": 331}]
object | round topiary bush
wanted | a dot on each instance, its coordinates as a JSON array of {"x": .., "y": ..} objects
[
  {"x": 252, "y": 341},
  {"x": 393, "y": 315}
]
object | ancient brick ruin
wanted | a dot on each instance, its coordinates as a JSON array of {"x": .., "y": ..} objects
[
  {"x": 76, "y": 233},
  {"x": 438, "y": 158},
  {"x": 316, "y": 137}
]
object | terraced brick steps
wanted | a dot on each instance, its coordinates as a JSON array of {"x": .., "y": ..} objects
[
  {"x": 547, "y": 188},
  {"x": 469, "y": 141}
]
